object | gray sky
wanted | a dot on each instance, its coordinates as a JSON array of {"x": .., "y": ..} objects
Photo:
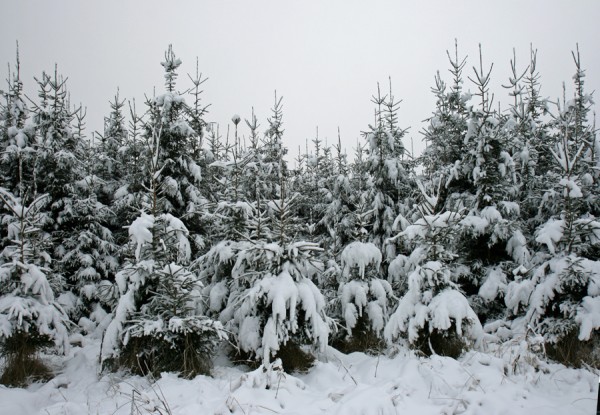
[{"x": 324, "y": 57}]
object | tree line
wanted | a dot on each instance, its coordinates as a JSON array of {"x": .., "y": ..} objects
[{"x": 164, "y": 239}]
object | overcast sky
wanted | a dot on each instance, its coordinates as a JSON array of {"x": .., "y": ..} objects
[{"x": 324, "y": 57}]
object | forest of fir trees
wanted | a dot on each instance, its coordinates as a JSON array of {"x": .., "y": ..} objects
[{"x": 161, "y": 239}]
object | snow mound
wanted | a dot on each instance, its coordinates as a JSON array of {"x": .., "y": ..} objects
[{"x": 477, "y": 383}]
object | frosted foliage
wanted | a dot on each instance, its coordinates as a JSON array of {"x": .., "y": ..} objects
[
  {"x": 218, "y": 296},
  {"x": 488, "y": 216},
  {"x": 398, "y": 268},
  {"x": 166, "y": 102},
  {"x": 588, "y": 317},
  {"x": 419, "y": 306},
  {"x": 451, "y": 306},
  {"x": 552, "y": 279},
  {"x": 170, "y": 186},
  {"x": 195, "y": 171},
  {"x": 140, "y": 232},
  {"x": 551, "y": 233},
  {"x": 114, "y": 331},
  {"x": 430, "y": 200},
  {"x": 359, "y": 296},
  {"x": 269, "y": 309},
  {"x": 183, "y": 128},
  {"x": 376, "y": 316},
  {"x": 494, "y": 285},
  {"x": 477, "y": 224},
  {"x": 517, "y": 294},
  {"x": 176, "y": 226},
  {"x": 392, "y": 169},
  {"x": 249, "y": 334},
  {"x": 270, "y": 340},
  {"x": 31, "y": 306},
  {"x": 563, "y": 158},
  {"x": 570, "y": 188},
  {"x": 402, "y": 265},
  {"x": 361, "y": 255},
  {"x": 517, "y": 248}
]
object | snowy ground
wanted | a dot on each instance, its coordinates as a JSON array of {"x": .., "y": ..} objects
[{"x": 354, "y": 384}]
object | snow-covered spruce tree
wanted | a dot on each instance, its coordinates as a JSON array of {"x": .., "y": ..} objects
[
  {"x": 58, "y": 149},
  {"x": 168, "y": 117},
  {"x": 445, "y": 135},
  {"x": 254, "y": 182},
  {"x": 261, "y": 287},
  {"x": 30, "y": 317},
  {"x": 196, "y": 113},
  {"x": 268, "y": 300},
  {"x": 274, "y": 166},
  {"x": 469, "y": 170},
  {"x": 87, "y": 254},
  {"x": 530, "y": 140},
  {"x": 314, "y": 182},
  {"x": 126, "y": 200},
  {"x": 432, "y": 313},
  {"x": 362, "y": 298},
  {"x": 338, "y": 211},
  {"x": 390, "y": 183},
  {"x": 16, "y": 136},
  {"x": 233, "y": 213},
  {"x": 492, "y": 236},
  {"x": 561, "y": 298},
  {"x": 58, "y": 165},
  {"x": 157, "y": 324},
  {"x": 361, "y": 212},
  {"x": 110, "y": 159}
]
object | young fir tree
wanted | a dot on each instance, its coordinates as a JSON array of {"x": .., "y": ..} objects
[
  {"x": 529, "y": 136},
  {"x": 315, "y": 186},
  {"x": 445, "y": 135},
  {"x": 86, "y": 252},
  {"x": 263, "y": 292},
  {"x": 157, "y": 324},
  {"x": 362, "y": 298},
  {"x": 30, "y": 317},
  {"x": 492, "y": 236},
  {"x": 560, "y": 296},
  {"x": 234, "y": 210},
  {"x": 337, "y": 216},
  {"x": 389, "y": 185},
  {"x": 16, "y": 136},
  {"x": 110, "y": 164},
  {"x": 433, "y": 312},
  {"x": 261, "y": 287},
  {"x": 168, "y": 117}
]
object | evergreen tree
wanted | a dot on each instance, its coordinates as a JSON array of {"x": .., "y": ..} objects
[
  {"x": 432, "y": 311},
  {"x": 445, "y": 135},
  {"x": 157, "y": 322},
  {"x": 30, "y": 316},
  {"x": 389, "y": 184},
  {"x": 559, "y": 297}
]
